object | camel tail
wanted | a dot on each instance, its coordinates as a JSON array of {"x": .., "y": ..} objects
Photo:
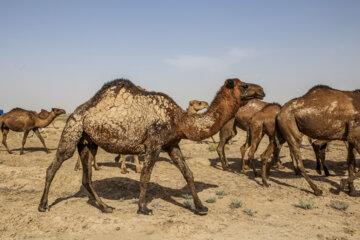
[{"x": 279, "y": 139}]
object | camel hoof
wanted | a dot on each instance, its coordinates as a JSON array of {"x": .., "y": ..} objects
[
  {"x": 318, "y": 192},
  {"x": 97, "y": 169},
  {"x": 145, "y": 211},
  {"x": 279, "y": 166},
  {"x": 319, "y": 171},
  {"x": 42, "y": 208},
  {"x": 201, "y": 211},
  {"x": 266, "y": 184},
  {"x": 246, "y": 167},
  {"x": 124, "y": 171},
  {"x": 107, "y": 209}
]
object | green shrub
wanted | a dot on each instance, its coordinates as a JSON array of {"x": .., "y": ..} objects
[
  {"x": 189, "y": 203},
  {"x": 221, "y": 193},
  {"x": 249, "y": 212},
  {"x": 187, "y": 196},
  {"x": 339, "y": 205},
  {"x": 211, "y": 200},
  {"x": 236, "y": 203},
  {"x": 212, "y": 147},
  {"x": 306, "y": 205}
]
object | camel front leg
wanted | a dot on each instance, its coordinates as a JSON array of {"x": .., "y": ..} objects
[
  {"x": 352, "y": 176},
  {"x": 178, "y": 159},
  {"x": 24, "y": 141},
  {"x": 243, "y": 150},
  {"x": 137, "y": 163},
  {"x": 96, "y": 166},
  {"x": 77, "y": 165},
  {"x": 123, "y": 164},
  {"x": 5, "y": 132},
  {"x": 36, "y": 131}
]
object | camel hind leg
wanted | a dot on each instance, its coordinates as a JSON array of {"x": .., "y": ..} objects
[
  {"x": 69, "y": 139},
  {"x": 24, "y": 141},
  {"x": 36, "y": 131},
  {"x": 226, "y": 132}
]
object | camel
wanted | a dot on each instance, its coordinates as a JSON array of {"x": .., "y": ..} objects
[
  {"x": 263, "y": 122},
  {"x": 241, "y": 120},
  {"x": 124, "y": 120},
  {"x": 21, "y": 120},
  {"x": 326, "y": 114},
  {"x": 194, "y": 107}
]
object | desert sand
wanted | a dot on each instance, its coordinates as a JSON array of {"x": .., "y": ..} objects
[{"x": 276, "y": 212}]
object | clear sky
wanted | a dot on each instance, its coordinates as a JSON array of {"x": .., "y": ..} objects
[{"x": 59, "y": 53}]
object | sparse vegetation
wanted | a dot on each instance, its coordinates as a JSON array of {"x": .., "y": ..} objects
[
  {"x": 249, "y": 212},
  {"x": 236, "y": 203},
  {"x": 307, "y": 205},
  {"x": 189, "y": 203},
  {"x": 135, "y": 200},
  {"x": 211, "y": 200},
  {"x": 121, "y": 199},
  {"x": 221, "y": 193},
  {"x": 187, "y": 196},
  {"x": 339, "y": 205},
  {"x": 212, "y": 147}
]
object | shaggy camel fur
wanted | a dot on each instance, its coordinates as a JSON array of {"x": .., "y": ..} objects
[
  {"x": 124, "y": 120},
  {"x": 21, "y": 120},
  {"x": 241, "y": 120},
  {"x": 263, "y": 122},
  {"x": 117, "y": 158},
  {"x": 326, "y": 114}
]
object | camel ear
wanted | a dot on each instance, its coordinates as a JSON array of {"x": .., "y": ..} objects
[
  {"x": 191, "y": 103},
  {"x": 230, "y": 83}
]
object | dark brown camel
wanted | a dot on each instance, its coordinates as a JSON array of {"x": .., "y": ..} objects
[
  {"x": 20, "y": 120},
  {"x": 326, "y": 114},
  {"x": 241, "y": 120},
  {"x": 263, "y": 122},
  {"x": 124, "y": 120}
]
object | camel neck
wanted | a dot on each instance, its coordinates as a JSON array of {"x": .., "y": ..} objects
[
  {"x": 200, "y": 126},
  {"x": 41, "y": 123}
]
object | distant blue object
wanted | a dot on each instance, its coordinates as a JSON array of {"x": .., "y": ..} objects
[{"x": 1, "y": 112}]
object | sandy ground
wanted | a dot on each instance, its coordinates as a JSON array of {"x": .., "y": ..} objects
[{"x": 276, "y": 210}]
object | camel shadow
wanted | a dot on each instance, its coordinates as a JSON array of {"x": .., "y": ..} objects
[
  {"x": 129, "y": 159},
  {"x": 126, "y": 189},
  {"x": 32, "y": 149}
]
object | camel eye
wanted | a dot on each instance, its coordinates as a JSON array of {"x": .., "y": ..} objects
[{"x": 245, "y": 86}]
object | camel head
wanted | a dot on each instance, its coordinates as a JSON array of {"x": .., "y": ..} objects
[
  {"x": 198, "y": 105},
  {"x": 244, "y": 91},
  {"x": 58, "y": 111}
]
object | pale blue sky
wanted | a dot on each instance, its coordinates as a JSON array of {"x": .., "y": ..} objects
[{"x": 59, "y": 53}]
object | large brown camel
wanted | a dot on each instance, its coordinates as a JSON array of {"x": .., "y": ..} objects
[
  {"x": 194, "y": 107},
  {"x": 326, "y": 114},
  {"x": 20, "y": 120},
  {"x": 124, "y": 120},
  {"x": 241, "y": 120},
  {"x": 263, "y": 122}
]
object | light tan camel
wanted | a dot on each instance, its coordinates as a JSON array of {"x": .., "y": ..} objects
[
  {"x": 124, "y": 120},
  {"x": 326, "y": 114},
  {"x": 241, "y": 120},
  {"x": 20, "y": 120}
]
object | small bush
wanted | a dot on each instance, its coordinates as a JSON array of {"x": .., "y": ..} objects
[
  {"x": 187, "y": 196},
  {"x": 211, "y": 200},
  {"x": 212, "y": 147},
  {"x": 221, "y": 193},
  {"x": 249, "y": 212},
  {"x": 236, "y": 203},
  {"x": 306, "y": 205},
  {"x": 189, "y": 203},
  {"x": 121, "y": 199},
  {"x": 339, "y": 205}
]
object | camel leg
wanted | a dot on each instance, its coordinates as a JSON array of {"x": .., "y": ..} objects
[
  {"x": 254, "y": 137},
  {"x": 77, "y": 165},
  {"x": 123, "y": 164},
  {"x": 150, "y": 159},
  {"x": 117, "y": 158},
  {"x": 24, "y": 141},
  {"x": 243, "y": 150},
  {"x": 96, "y": 166},
  {"x": 36, "y": 131},
  {"x": 70, "y": 136},
  {"x": 352, "y": 176},
  {"x": 319, "y": 147},
  {"x": 212, "y": 138},
  {"x": 264, "y": 159},
  {"x": 221, "y": 152},
  {"x": 87, "y": 153},
  {"x": 5, "y": 132},
  {"x": 137, "y": 163},
  {"x": 178, "y": 159}
]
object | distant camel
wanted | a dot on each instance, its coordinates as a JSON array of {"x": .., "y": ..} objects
[
  {"x": 124, "y": 120},
  {"x": 240, "y": 120},
  {"x": 20, "y": 120},
  {"x": 326, "y": 114},
  {"x": 263, "y": 122}
]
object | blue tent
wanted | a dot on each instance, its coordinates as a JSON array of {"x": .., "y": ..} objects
[{"x": 1, "y": 112}]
